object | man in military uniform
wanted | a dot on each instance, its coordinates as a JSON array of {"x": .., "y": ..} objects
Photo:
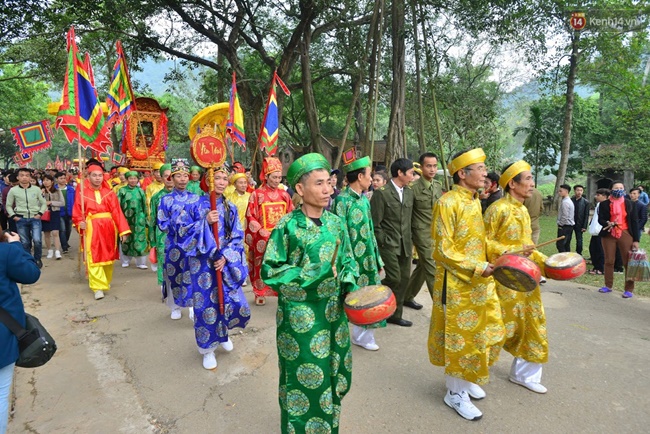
[
  {"x": 426, "y": 191},
  {"x": 391, "y": 207}
]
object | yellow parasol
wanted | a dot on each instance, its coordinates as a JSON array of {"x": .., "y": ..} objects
[{"x": 216, "y": 114}]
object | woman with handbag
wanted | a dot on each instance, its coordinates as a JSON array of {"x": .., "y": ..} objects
[
  {"x": 16, "y": 266},
  {"x": 51, "y": 220}
]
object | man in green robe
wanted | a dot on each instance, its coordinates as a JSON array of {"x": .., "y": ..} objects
[
  {"x": 134, "y": 206},
  {"x": 354, "y": 209},
  {"x": 156, "y": 236},
  {"x": 194, "y": 186},
  {"x": 301, "y": 263}
]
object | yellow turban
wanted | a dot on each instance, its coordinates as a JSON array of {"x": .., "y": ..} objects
[
  {"x": 466, "y": 159},
  {"x": 157, "y": 165},
  {"x": 237, "y": 176},
  {"x": 512, "y": 171},
  {"x": 122, "y": 170}
]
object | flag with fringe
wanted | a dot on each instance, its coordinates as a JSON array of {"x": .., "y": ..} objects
[
  {"x": 80, "y": 115},
  {"x": 120, "y": 99},
  {"x": 33, "y": 137},
  {"x": 270, "y": 125},
  {"x": 235, "y": 123}
]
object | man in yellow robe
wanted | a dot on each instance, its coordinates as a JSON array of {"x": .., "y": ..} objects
[
  {"x": 240, "y": 197},
  {"x": 507, "y": 222},
  {"x": 121, "y": 172},
  {"x": 156, "y": 185},
  {"x": 466, "y": 325}
]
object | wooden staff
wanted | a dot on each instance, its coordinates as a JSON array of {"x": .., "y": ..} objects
[
  {"x": 215, "y": 232},
  {"x": 545, "y": 243},
  {"x": 336, "y": 252}
]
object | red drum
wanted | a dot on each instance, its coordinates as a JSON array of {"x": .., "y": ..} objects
[
  {"x": 517, "y": 272},
  {"x": 370, "y": 305},
  {"x": 565, "y": 266}
]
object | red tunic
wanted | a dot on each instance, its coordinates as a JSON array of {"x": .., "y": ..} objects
[
  {"x": 266, "y": 207},
  {"x": 104, "y": 222}
]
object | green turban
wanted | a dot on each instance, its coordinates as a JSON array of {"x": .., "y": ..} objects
[
  {"x": 131, "y": 173},
  {"x": 306, "y": 164},
  {"x": 357, "y": 164},
  {"x": 195, "y": 169},
  {"x": 164, "y": 168}
]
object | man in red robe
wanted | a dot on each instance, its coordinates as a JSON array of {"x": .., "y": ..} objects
[
  {"x": 99, "y": 225},
  {"x": 266, "y": 207}
]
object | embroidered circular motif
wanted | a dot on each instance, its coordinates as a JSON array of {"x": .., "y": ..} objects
[
  {"x": 347, "y": 361},
  {"x": 198, "y": 300},
  {"x": 310, "y": 375},
  {"x": 316, "y": 425},
  {"x": 202, "y": 335},
  {"x": 174, "y": 254},
  {"x": 325, "y": 401},
  {"x": 341, "y": 385},
  {"x": 210, "y": 315},
  {"x": 454, "y": 342},
  {"x": 302, "y": 319},
  {"x": 297, "y": 403},
  {"x": 467, "y": 319},
  {"x": 288, "y": 347},
  {"x": 333, "y": 309},
  {"x": 335, "y": 362},
  {"x": 320, "y": 344},
  {"x": 342, "y": 335}
]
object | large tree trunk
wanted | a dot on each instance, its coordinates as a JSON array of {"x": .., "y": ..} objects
[
  {"x": 418, "y": 80},
  {"x": 568, "y": 112},
  {"x": 311, "y": 112},
  {"x": 374, "y": 37},
  {"x": 396, "y": 143}
]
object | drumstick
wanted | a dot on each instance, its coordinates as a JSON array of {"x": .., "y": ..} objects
[
  {"x": 537, "y": 245},
  {"x": 336, "y": 251}
]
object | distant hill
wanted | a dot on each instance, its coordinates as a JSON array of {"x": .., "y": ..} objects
[{"x": 152, "y": 75}]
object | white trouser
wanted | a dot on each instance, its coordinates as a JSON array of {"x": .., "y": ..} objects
[
  {"x": 362, "y": 335},
  {"x": 457, "y": 385},
  {"x": 139, "y": 260},
  {"x": 526, "y": 372}
]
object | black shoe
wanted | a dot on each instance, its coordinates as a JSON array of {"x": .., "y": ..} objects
[
  {"x": 400, "y": 322},
  {"x": 65, "y": 251},
  {"x": 413, "y": 305},
  {"x": 39, "y": 263}
]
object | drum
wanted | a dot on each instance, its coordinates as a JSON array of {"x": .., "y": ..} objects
[
  {"x": 370, "y": 305},
  {"x": 565, "y": 266},
  {"x": 517, "y": 272}
]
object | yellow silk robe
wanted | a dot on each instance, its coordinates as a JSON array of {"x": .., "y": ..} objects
[
  {"x": 507, "y": 222},
  {"x": 241, "y": 202},
  {"x": 463, "y": 339},
  {"x": 152, "y": 189}
]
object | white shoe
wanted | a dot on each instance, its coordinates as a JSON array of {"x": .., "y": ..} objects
[
  {"x": 368, "y": 346},
  {"x": 364, "y": 338},
  {"x": 125, "y": 265},
  {"x": 154, "y": 267},
  {"x": 176, "y": 313},
  {"x": 542, "y": 280},
  {"x": 99, "y": 294},
  {"x": 535, "y": 387},
  {"x": 57, "y": 254},
  {"x": 228, "y": 346},
  {"x": 476, "y": 392},
  {"x": 209, "y": 361},
  {"x": 191, "y": 312},
  {"x": 143, "y": 267},
  {"x": 50, "y": 254},
  {"x": 463, "y": 405}
]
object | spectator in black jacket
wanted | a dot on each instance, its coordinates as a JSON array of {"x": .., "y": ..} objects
[
  {"x": 642, "y": 209},
  {"x": 581, "y": 215}
]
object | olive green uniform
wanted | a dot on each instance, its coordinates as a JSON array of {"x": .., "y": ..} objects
[{"x": 425, "y": 194}]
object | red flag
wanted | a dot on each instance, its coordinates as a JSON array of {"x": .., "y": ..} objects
[
  {"x": 80, "y": 115},
  {"x": 120, "y": 98},
  {"x": 235, "y": 123}
]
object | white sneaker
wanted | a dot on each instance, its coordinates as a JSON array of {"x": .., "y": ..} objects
[
  {"x": 228, "y": 346},
  {"x": 476, "y": 392},
  {"x": 191, "y": 311},
  {"x": 364, "y": 338},
  {"x": 125, "y": 265},
  {"x": 176, "y": 313},
  {"x": 143, "y": 267},
  {"x": 209, "y": 361},
  {"x": 535, "y": 387},
  {"x": 463, "y": 405},
  {"x": 50, "y": 254},
  {"x": 371, "y": 346},
  {"x": 99, "y": 294},
  {"x": 542, "y": 280},
  {"x": 57, "y": 254}
]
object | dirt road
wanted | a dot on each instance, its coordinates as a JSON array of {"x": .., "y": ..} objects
[{"x": 124, "y": 366}]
